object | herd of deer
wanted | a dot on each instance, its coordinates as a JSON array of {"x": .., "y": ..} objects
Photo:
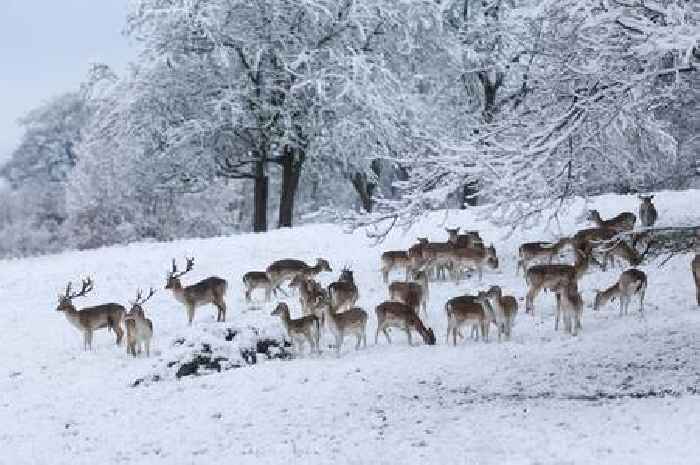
[{"x": 333, "y": 308}]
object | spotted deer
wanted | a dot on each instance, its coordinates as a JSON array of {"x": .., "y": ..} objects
[
  {"x": 299, "y": 330},
  {"x": 211, "y": 290},
  {"x": 395, "y": 259},
  {"x": 631, "y": 282},
  {"x": 531, "y": 251},
  {"x": 311, "y": 295},
  {"x": 352, "y": 321},
  {"x": 391, "y": 314},
  {"x": 470, "y": 239},
  {"x": 139, "y": 329},
  {"x": 89, "y": 319},
  {"x": 647, "y": 211},
  {"x": 465, "y": 311},
  {"x": 474, "y": 258},
  {"x": 285, "y": 270},
  {"x": 414, "y": 293},
  {"x": 571, "y": 306},
  {"x": 253, "y": 280},
  {"x": 343, "y": 293},
  {"x": 622, "y": 222},
  {"x": 505, "y": 305}
]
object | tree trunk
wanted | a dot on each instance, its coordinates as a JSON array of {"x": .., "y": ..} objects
[
  {"x": 364, "y": 189},
  {"x": 291, "y": 163},
  {"x": 260, "y": 198}
]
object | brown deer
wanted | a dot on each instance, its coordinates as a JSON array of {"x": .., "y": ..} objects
[
  {"x": 343, "y": 293},
  {"x": 285, "y": 270},
  {"x": 474, "y": 258},
  {"x": 89, "y": 319},
  {"x": 631, "y": 282},
  {"x": 311, "y": 295},
  {"x": 470, "y": 239},
  {"x": 620, "y": 248},
  {"x": 211, "y": 290},
  {"x": 571, "y": 306},
  {"x": 465, "y": 311},
  {"x": 391, "y": 314},
  {"x": 253, "y": 280},
  {"x": 622, "y": 222},
  {"x": 695, "y": 266},
  {"x": 139, "y": 329},
  {"x": 505, "y": 305},
  {"x": 413, "y": 293},
  {"x": 553, "y": 277},
  {"x": 395, "y": 259},
  {"x": 299, "y": 330},
  {"x": 647, "y": 211},
  {"x": 530, "y": 251},
  {"x": 351, "y": 321}
]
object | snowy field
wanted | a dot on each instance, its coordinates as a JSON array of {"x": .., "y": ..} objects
[{"x": 624, "y": 391}]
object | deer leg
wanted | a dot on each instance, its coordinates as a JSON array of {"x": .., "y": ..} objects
[
  {"x": 247, "y": 296},
  {"x": 190, "y": 314},
  {"x": 558, "y": 311},
  {"x": 642, "y": 291},
  {"x": 339, "y": 336},
  {"x": 530, "y": 299},
  {"x": 408, "y": 335},
  {"x": 119, "y": 332},
  {"x": 222, "y": 310}
]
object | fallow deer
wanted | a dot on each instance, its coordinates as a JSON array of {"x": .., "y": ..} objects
[
  {"x": 622, "y": 222},
  {"x": 299, "y": 330},
  {"x": 465, "y": 311},
  {"x": 413, "y": 293},
  {"x": 506, "y": 305},
  {"x": 89, "y": 319},
  {"x": 631, "y": 282},
  {"x": 391, "y": 314},
  {"x": 343, "y": 292},
  {"x": 437, "y": 256},
  {"x": 696, "y": 274},
  {"x": 647, "y": 211},
  {"x": 395, "y": 259},
  {"x": 494, "y": 314},
  {"x": 285, "y": 270},
  {"x": 470, "y": 239},
  {"x": 211, "y": 290},
  {"x": 311, "y": 295},
  {"x": 253, "y": 280},
  {"x": 571, "y": 306},
  {"x": 351, "y": 321},
  {"x": 474, "y": 258},
  {"x": 530, "y": 251},
  {"x": 553, "y": 277},
  {"x": 139, "y": 329}
]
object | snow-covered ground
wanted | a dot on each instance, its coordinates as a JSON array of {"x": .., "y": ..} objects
[{"x": 624, "y": 391}]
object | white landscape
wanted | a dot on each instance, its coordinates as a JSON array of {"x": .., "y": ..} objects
[{"x": 625, "y": 390}]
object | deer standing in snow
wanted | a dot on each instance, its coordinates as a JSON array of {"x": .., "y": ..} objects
[
  {"x": 622, "y": 222},
  {"x": 352, "y": 321},
  {"x": 466, "y": 311},
  {"x": 571, "y": 306},
  {"x": 139, "y": 329},
  {"x": 89, "y": 319},
  {"x": 253, "y": 280},
  {"x": 211, "y": 290},
  {"x": 299, "y": 330},
  {"x": 631, "y": 282},
  {"x": 395, "y": 259},
  {"x": 647, "y": 211},
  {"x": 399, "y": 315},
  {"x": 285, "y": 270},
  {"x": 413, "y": 293},
  {"x": 695, "y": 266},
  {"x": 505, "y": 305}
]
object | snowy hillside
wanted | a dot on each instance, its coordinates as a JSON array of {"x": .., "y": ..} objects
[{"x": 624, "y": 391}]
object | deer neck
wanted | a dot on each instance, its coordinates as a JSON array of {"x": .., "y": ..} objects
[
  {"x": 178, "y": 292},
  {"x": 608, "y": 294},
  {"x": 73, "y": 317}
]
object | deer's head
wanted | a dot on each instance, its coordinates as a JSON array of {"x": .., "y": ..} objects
[
  {"x": 65, "y": 300},
  {"x": 173, "y": 277}
]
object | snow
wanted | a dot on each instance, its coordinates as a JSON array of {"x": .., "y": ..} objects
[{"x": 624, "y": 391}]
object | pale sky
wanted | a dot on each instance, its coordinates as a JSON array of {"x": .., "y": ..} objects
[{"x": 46, "y": 47}]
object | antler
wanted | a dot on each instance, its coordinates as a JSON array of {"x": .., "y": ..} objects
[
  {"x": 139, "y": 300},
  {"x": 188, "y": 267},
  {"x": 87, "y": 287}
]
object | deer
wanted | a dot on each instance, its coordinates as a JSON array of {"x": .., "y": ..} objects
[
  {"x": 311, "y": 295},
  {"x": 530, "y": 251},
  {"x": 351, "y": 321},
  {"x": 601, "y": 239},
  {"x": 391, "y": 314},
  {"x": 299, "y": 330},
  {"x": 647, "y": 211},
  {"x": 285, "y": 270},
  {"x": 435, "y": 255},
  {"x": 413, "y": 293},
  {"x": 394, "y": 259},
  {"x": 505, "y": 305},
  {"x": 139, "y": 329},
  {"x": 571, "y": 306},
  {"x": 470, "y": 239},
  {"x": 253, "y": 280},
  {"x": 553, "y": 277},
  {"x": 465, "y": 310},
  {"x": 210, "y": 290},
  {"x": 695, "y": 266},
  {"x": 631, "y": 282},
  {"x": 343, "y": 292},
  {"x": 622, "y": 222},
  {"x": 89, "y": 319},
  {"x": 475, "y": 259}
]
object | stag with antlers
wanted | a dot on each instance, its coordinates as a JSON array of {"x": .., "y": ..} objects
[
  {"x": 88, "y": 319},
  {"x": 139, "y": 329},
  {"x": 211, "y": 290}
]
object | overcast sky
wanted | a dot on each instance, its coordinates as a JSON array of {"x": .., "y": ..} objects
[{"x": 46, "y": 47}]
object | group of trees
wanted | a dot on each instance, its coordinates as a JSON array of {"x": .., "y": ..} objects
[{"x": 376, "y": 109}]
